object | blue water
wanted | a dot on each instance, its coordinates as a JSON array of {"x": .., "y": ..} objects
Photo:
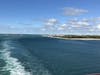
[{"x": 37, "y": 55}]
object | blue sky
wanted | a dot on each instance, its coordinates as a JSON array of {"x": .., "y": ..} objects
[{"x": 50, "y": 16}]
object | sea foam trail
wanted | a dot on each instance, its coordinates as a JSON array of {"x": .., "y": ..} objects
[
  {"x": 15, "y": 66},
  {"x": 12, "y": 64}
]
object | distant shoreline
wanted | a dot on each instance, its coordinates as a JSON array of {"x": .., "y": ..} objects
[
  {"x": 73, "y": 38},
  {"x": 64, "y": 37}
]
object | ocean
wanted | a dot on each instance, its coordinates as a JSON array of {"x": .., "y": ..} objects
[{"x": 38, "y": 55}]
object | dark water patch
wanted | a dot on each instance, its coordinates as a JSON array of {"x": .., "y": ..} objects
[
  {"x": 65, "y": 57},
  {"x": 2, "y": 63}
]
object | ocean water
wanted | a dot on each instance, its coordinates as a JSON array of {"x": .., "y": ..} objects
[{"x": 37, "y": 55}]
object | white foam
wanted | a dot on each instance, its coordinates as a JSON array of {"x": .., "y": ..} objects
[
  {"x": 15, "y": 67},
  {"x": 12, "y": 64}
]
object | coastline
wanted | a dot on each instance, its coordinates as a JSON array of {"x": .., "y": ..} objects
[{"x": 74, "y": 38}]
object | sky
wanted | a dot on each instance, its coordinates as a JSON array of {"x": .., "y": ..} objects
[{"x": 50, "y": 17}]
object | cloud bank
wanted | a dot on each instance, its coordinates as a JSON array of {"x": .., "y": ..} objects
[{"x": 78, "y": 26}]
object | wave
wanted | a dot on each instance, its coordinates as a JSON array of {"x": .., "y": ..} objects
[
  {"x": 12, "y": 64},
  {"x": 19, "y": 61}
]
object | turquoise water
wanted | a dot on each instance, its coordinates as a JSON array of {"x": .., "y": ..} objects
[{"x": 47, "y": 56}]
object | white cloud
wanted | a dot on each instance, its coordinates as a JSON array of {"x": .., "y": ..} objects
[
  {"x": 73, "y": 25},
  {"x": 77, "y": 23},
  {"x": 51, "y": 22},
  {"x": 85, "y": 20},
  {"x": 52, "y": 25},
  {"x": 81, "y": 23},
  {"x": 98, "y": 26},
  {"x": 69, "y": 11},
  {"x": 62, "y": 27}
]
